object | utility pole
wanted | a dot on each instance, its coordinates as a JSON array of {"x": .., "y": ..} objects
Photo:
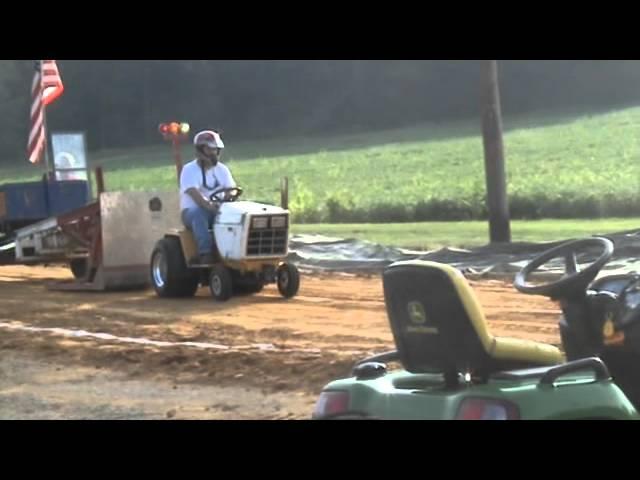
[{"x": 499, "y": 227}]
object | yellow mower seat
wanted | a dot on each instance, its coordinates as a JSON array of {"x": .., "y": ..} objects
[{"x": 438, "y": 323}]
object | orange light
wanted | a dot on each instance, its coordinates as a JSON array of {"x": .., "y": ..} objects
[{"x": 174, "y": 128}]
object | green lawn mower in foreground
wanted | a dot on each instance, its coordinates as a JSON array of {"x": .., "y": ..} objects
[{"x": 453, "y": 368}]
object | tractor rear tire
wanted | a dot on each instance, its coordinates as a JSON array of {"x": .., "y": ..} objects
[
  {"x": 288, "y": 280},
  {"x": 220, "y": 283},
  {"x": 169, "y": 273}
]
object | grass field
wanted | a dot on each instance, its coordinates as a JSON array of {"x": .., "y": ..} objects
[
  {"x": 559, "y": 166},
  {"x": 432, "y": 235}
]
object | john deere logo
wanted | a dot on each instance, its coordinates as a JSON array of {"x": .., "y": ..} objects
[
  {"x": 416, "y": 313},
  {"x": 419, "y": 320}
]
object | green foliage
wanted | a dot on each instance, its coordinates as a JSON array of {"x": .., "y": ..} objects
[
  {"x": 432, "y": 235},
  {"x": 558, "y": 166}
]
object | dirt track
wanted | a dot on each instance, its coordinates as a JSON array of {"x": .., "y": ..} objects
[{"x": 280, "y": 352}]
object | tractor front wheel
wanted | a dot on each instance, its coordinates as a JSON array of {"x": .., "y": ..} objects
[
  {"x": 288, "y": 280},
  {"x": 220, "y": 283}
]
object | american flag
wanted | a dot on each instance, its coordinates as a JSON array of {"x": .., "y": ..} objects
[{"x": 46, "y": 87}]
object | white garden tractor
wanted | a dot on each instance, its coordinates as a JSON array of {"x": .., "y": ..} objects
[{"x": 250, "y": 242}]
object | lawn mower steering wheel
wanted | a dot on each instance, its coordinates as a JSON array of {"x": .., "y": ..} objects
[
  {"x": 575, "y": 281},
  {"x": 225, "y": 194}
]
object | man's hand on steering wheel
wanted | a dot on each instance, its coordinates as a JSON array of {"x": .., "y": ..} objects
[
  {"x": 212, "y": 206},
  {"x": 225, "y": 194}
]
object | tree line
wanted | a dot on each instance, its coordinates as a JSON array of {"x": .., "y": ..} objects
[{"x": 119, "y": 103}]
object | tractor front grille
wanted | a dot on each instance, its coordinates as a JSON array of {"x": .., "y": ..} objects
[{"x": 267, "y": 241}]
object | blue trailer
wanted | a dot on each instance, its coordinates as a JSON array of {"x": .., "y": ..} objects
[{"x": 23, "y": 204}]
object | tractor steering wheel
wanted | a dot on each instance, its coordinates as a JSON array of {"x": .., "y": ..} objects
[
  {"x": 574, "y": 281},
  {"x": 224, "y": 194}
]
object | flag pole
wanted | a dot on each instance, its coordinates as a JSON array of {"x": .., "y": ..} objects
[{"x": 49, "y": 172}]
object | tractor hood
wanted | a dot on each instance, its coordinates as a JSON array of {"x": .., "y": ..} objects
[
  {"x": 233, "y": 212},
  {"x": 252, "y": 208}
]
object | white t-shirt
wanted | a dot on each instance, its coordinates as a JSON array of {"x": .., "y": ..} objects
[{"x": 191, "y": 177}]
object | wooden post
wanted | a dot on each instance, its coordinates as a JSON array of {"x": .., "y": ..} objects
[
  {"x": 177, "y": 156},
  {"x": 284, "y": 192},
  {"x": 499, "y": 227},
  {"x": 99, "y": 180}
]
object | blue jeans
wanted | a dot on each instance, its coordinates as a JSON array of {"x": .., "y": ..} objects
[{"x": 198, "y": 220}]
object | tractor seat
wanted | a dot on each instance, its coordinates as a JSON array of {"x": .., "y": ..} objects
[{"x": 438, "y": 324}]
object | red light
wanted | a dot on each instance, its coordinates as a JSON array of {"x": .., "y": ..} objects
[
  {"x": 331, "y": 403},
  {"x": 487, "y": 409},
  {"x": 163, "y": 128}
]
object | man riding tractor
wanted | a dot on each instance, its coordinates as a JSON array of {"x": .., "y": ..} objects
[
  {"x": 198, "y": 179},
  {"x": 229, "y": 245}
]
